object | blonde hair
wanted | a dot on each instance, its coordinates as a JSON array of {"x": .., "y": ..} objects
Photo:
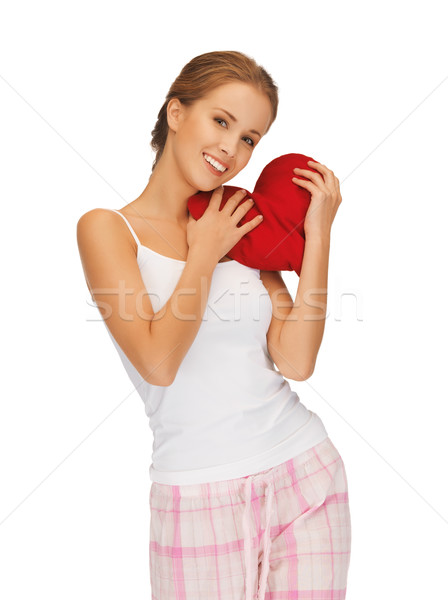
[{"x": 203, "y": 74}]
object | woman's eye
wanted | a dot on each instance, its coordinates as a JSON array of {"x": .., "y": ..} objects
[{"x": 250, "y": 142}]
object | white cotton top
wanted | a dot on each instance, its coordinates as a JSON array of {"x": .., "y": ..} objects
[{"x": 228, "y": 413}]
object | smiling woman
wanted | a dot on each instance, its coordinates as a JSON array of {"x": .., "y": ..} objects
[
  {"x": 205, "y": 73},
  {"x": 191, "y": 327}
]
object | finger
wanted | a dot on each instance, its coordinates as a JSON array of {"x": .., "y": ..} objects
[
  {"x": 216, "y": 197},
  {"x": 317, "y": 178},
  {"x": 321, "y": 168},
  {"x": 233, "y": 201},
  {"x": 318, "y": 166},
  {"x": 309, "y": 185},
  {"x": 242, "y": 209},
  {"x": 251, "y": 225}
]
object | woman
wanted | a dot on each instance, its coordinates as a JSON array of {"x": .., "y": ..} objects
[{"x": 248, "y": 491}]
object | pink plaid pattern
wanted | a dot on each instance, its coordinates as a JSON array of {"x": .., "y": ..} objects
[{"x": 283, "y": 534}]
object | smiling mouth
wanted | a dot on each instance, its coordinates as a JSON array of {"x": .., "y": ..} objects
[{"x": 220, "y": 169}]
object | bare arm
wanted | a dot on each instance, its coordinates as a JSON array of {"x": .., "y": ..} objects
[
  {"x": 154, "y": 343},
  {"x": 296, "y": 330},
  {"x": 303, "y": 329}
]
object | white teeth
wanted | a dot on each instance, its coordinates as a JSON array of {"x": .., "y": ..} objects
[{"x": 216, "y": 164}]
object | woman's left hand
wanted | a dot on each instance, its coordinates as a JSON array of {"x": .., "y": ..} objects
[{"x": 325, "y": 199}]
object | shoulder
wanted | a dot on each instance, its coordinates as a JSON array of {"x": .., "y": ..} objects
[
  {"x": 102, "y": 224},
  {"x": 94, "y": 218},
  {"x": 97, "y": 215}
]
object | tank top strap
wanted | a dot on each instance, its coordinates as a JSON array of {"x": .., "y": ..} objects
[{"x": 129, "y": 225}]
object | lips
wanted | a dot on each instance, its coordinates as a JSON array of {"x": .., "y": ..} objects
[{"x": 218, "y": 161}]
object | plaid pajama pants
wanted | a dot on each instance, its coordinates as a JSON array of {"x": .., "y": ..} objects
[{"x": 282, "y": 534}]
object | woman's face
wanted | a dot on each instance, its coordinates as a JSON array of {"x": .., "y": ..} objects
[{"x": 206, "y": 129}]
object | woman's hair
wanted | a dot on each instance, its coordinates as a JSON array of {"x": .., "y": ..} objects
[{"x": 206, "y": 72}]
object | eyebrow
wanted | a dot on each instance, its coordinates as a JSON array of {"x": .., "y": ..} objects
[{"x": 233, "y": 119}]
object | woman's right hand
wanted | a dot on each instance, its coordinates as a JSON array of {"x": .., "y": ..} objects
[{"x": 216, "y": 231}]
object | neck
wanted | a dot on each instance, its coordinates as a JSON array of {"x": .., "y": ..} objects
[{"x": 166, "y": 194}]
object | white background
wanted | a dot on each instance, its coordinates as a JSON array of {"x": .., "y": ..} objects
[{"x": 364, "y": 90}]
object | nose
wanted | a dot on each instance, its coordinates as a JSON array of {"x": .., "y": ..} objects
[{"x": 228, "y": 147}]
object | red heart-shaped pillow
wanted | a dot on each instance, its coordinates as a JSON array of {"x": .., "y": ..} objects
[{"x": 278, "y": 243}]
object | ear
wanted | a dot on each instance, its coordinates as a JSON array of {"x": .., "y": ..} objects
[{"x": 174, "y": 113}]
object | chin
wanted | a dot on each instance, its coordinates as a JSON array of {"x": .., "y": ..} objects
[
  {"x": 206, "y": 184},
  {"x": 207, "y": 187}
]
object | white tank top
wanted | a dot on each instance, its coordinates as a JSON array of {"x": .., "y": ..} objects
[{"x": 228, "y": 413}]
